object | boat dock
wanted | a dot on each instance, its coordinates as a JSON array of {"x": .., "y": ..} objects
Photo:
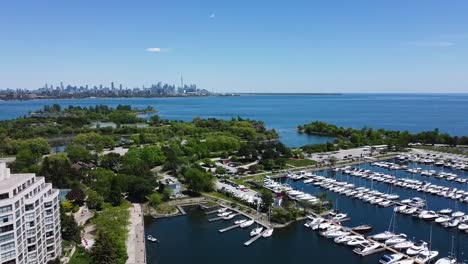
[
  {"x": 228, "y": 228},
  {"x": 382, "y": 247},
  {"x": 237, "y": 213},
  {"x": 253, "y": 239},
  {"x": 219, "y": 218}
]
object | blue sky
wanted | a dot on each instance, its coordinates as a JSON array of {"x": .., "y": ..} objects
[{"x": 239, "y": 46}]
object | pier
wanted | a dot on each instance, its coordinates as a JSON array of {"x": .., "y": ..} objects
[
  {"x": 228, "y": 228},
  {"x": 253, "y": 239},
  {"x": 382, "y": 247}
]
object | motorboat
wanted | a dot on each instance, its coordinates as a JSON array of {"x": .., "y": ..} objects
[
  {"x": 345, "y": 239},
  {"x": 426, "y": 256},
  {"x": 390, "y": 259},
  {"x": 336, "y": 233},
  {"x": 247, "y": 223},
  {"x": 447, "y": 260},
  {"x": 403, "y": 245},
  {"x": 308, "y": 180},
  {"x": 362, "y": 229},
  {"x": 383, "y": 236},
  {"x": 256, "y": 231},
  {"x": 417, "y": 248},
  {"x": 463, "y": 227},
  {"x": 395, "y": 240},
  {"x": 223, "y": 214},
  {"x": 366, "y": 248},
  {"x": 428, "y": 215},
  {"x": 238, "y": 222},
  {"x": 230, "y": 216},
  {"x": 409, "y": 211},
  {"x": 452, "y": 223},
  {"x": 222, "y": 210},
  {"x": 356, "y": 241},
  {"x": 151, "y": 238},
  {"x": 445, "y": 211},
  {"x": 386, "y": 203},
  {"x": 458, "y": 214},
  {"x": 339, "y": 217},
  {"x": 268, "y": 233},
  {"x": 442, "y": 219}
]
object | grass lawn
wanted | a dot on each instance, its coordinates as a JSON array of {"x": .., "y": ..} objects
[
  {"x": 165, "y": 208},
  {"x": 81, "y": 256},
  {"x": 300, "y": 162}
]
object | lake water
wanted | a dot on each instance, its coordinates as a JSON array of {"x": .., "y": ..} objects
[
  {"x": 413, "y": 112},
  {"x": 192, "y": 239}
]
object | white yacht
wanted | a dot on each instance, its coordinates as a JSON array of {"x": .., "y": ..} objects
[
  {"x": 256, "y": 231},
  {"x": 230, "y": 216},
  {"x": 428, "y": 215},
  {"x": 247, "y": 223},
  {"x": 336, "y": 233},
  {"x": 345, "y": 239},
  {"x": 442, "y": 219},
  {"x": 458, "y": 214},
  {"x": 383, "y": 236},
  {"x": 390, "y": 259},
  {"x": 417, "y": 248},
  {"x": 223, "y": 214},
  {"x": 356, "y": 241},
  {"x": 268, "y": 233},
  {"x": 447, "y": 260},
  {"x": 396, "y": 240},
  {"x": 426, "y": 256},
  {"x": 403, "y": 245},
  {"x": 238, "y": 222},
  {"x": 366, "y": 248}
]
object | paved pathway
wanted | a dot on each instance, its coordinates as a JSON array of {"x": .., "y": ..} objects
[{"x": 136, "y": 236}]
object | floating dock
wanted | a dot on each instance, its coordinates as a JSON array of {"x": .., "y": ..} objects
[
  {"x": 253, "y": 239},
  {"x": 228, "y": 228}
]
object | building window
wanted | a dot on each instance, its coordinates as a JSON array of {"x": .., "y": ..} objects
[
  {"x": 8, "y": 255},
  {"x": 6, "y": 237},
  {"x": 5, "y": 209},
  {"x": 6, "y": 219},
  {"x": 4, "y": 196},
  {"x": 5, "y": 229},
  {"x": 29, "y": 207},
  {"x": 7, "y": 246}
]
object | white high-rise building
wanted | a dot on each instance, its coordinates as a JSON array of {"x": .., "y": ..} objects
[{"x": 29, "y": 219}]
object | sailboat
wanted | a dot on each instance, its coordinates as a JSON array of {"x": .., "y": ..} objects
[
  {"x": 451, "y": 259},
  {"x": 269, "y": 231},
  {"x": 257, "y": 230}
]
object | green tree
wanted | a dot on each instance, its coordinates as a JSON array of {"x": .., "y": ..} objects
[
  {"x": 267, "y": 198},
  {"x": 76, "y": 196},
  {"x": 69, "y": 228},
  {"x": 199, "y": 181},
  {"x": 78, "y": 153},
  {"x": 155, "y": 199},
  {"x": 94, "y": 200},
  {"x": 56, "y": 168},
  {"x": 104, "y": 250}
]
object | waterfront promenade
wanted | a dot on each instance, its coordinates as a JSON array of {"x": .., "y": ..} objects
[{"x": 136, "y": 236}]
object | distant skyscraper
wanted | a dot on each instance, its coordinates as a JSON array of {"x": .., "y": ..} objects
[
  {"x": 120, "y": 86},
  {"x": 61, "y": 85},
  {"x": 112, "y": 85}
]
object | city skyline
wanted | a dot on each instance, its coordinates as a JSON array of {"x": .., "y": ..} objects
[{"x": 319, "y": 46}]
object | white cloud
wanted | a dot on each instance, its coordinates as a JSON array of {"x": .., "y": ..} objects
[
  {"x": 157, "y": 50},
  {"x": 435, "y": 44},
  {"x": 212, "y": 15}
]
